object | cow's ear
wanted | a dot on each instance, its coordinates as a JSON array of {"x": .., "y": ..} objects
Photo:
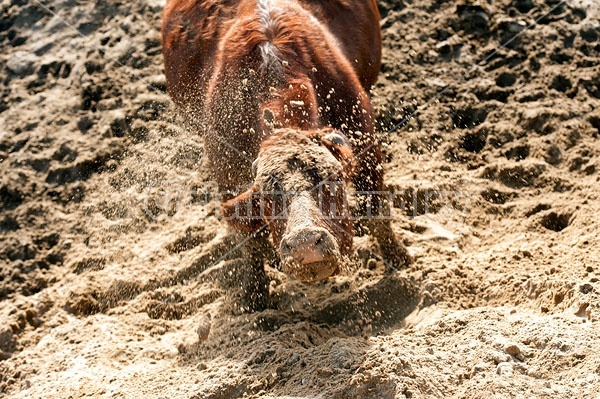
[
  {"x": 339, "y": 145},
  {"x": 246, "y": 211}
]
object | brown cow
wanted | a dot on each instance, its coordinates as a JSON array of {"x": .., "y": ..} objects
[{"x": 279, "y": 89}]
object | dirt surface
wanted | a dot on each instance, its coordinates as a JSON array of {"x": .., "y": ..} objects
[{"x": 116, "y": 275}]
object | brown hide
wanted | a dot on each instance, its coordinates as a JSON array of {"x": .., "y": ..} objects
[{"x": 192, "y": 29}]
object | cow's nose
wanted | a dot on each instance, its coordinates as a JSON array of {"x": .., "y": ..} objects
[
  {"x": 309, "y": 254},
  {"x": 307, "y": 246}
]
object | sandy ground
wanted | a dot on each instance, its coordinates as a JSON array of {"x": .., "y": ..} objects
[{"x": 116, "y": 274}]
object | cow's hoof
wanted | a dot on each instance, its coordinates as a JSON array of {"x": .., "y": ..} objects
[
  {"x": 397, "y": 258},
  {"x": 255, "y": 292},
  {"x": 254, "y": 302},
  {"x": 394, "y": 253}
]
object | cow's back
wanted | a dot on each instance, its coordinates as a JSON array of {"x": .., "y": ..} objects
[
  {"x": 192, "y": 30},
  {"x": 355, "y": 25}
]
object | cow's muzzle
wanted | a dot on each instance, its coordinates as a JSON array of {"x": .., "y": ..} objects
[{"x": 309, "y": 254}]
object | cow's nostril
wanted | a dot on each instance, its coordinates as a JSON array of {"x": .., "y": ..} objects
[
  {"x": 319, "y": 239},
  {"x": 286, "y": 247}
]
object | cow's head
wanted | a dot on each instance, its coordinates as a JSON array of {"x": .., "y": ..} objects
[{"x": 299, "y": 191}]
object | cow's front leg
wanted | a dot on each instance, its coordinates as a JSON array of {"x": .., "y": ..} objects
[
  {"x": 374, "y": 207},
  {"x": 254, "y": 281}
]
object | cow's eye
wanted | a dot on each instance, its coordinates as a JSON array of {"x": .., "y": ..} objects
[
  {"x": 336, "y": 139},
  {"x": 276, "y": 184}
]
